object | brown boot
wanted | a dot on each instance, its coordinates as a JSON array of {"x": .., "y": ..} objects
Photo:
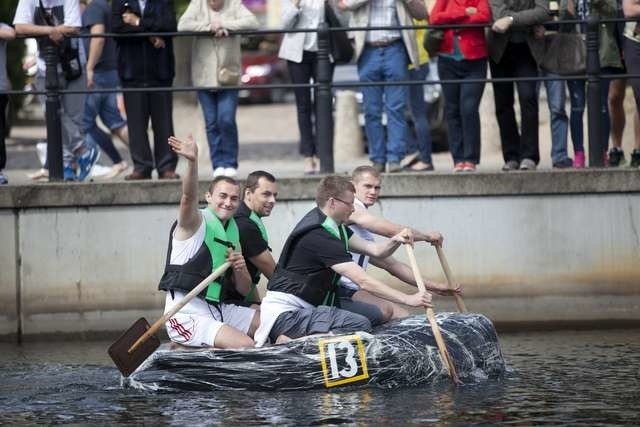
[{"x": 137, "y": 176}]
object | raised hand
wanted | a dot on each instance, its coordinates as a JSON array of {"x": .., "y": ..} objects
[{"x": 187, "y": 149}]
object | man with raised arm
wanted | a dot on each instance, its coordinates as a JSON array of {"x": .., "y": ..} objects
[
  {"x": 301, "y": 294},
  {"x": 260, "y": 192},
  {"x": 367, "y": 183},
  {"x": 200, "y": 241}
]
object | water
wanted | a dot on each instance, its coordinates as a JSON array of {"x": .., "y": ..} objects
[{"x": 568, "y": 377}]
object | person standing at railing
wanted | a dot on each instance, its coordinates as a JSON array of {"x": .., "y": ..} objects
[
  {"x": 384, "y": 56},
  {"x": 216, "y": 62},
  {"x": 515, "y": 52},
  {"x": 631, "y": 9},
  {"x": 54, "y": 21},
  {"x": 102, "y": 73},
  {"x": 300, "y": 50},
  {"x": 463, "y": 55},
  {"x": 6, "y": 33},
  {"x": 147, "y": 62},
  {"x": 610, "y": 63},
  {"x": 418, "y": 158}
]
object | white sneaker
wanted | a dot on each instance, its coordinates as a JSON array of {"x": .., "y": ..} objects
[
  {"x": 99, "y": 171},
  {"x": 230, "y": 172},
  {"x": 218, "y": 171}
]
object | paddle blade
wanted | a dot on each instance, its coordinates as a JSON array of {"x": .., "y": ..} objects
[{"x": 119, "y": 350}]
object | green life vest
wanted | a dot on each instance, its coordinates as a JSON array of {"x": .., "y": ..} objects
[
  {"x": 340, "y": 232},
  {"x": 263, "y": 232},
  {"x": 218, "y": 240}
]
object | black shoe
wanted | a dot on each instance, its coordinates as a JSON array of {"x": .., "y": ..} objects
[
  {"x": 635, "y": 159},
  {"x": 565, "y": 163},
  {"x": 616, "y": 157}
]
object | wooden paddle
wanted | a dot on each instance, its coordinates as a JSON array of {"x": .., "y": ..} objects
[
  {"x": 138, "y": 342},
  {"x": 447, "y": 272},
  {"x": 444, "y": 354}
]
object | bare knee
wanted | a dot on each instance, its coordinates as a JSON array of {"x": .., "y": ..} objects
[
  {"x": 387, "y": 311},
  {"x": 399, "y": 312},
  {"x": 255, "y": 322}
]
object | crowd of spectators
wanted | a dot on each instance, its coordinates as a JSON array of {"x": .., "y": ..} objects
[{"x": 519, "y": 36}]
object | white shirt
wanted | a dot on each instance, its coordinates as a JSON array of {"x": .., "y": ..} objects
[
  {"x": 360, "y": 259},
  {"x": 66, "y": 12}
]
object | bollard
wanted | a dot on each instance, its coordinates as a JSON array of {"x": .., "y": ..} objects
[
  {"x": 348, "y": 144},
  {"x": 324, "y": 117},
  {"x": 52, "y": 116},
  {"x": 596, "y": 145}
]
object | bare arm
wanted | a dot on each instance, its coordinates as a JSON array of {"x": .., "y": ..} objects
[
  {"x": 383, "y": 227},
  {"x": 354, "y": 272},
  {"x": 96, "y": 45},
  {"x": 265, "y": 263},
  {"x": 241, "y": 277},
  {"x": 7, "y": 33},
  {"x": 189, "y": 216},
  {"x": 380, "y": 249}
]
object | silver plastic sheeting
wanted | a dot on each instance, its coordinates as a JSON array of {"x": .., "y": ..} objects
[{"x": 399, "y": 354}]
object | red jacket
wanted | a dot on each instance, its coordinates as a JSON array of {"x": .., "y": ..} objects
[{"x": 471, "y": 41}]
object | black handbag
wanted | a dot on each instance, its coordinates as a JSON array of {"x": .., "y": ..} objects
[
  {"x": 340, "y": 46},
  {"x": 432, "y": 41},
  {"x": 565, "y": 54}
]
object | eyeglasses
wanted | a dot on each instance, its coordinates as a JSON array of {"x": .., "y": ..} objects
[{"x": 340, "y": 200}]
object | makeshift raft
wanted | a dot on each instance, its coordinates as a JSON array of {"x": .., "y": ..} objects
[{"x": 399, "y": 354}]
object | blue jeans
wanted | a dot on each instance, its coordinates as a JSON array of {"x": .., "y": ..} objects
[
  {"x": 219, "y": 108},
  {"x": 461, "y": 105},
  {"x": 104, "y": 105},
  {"x": 418, "y": 107},
  {"x": 377, "y": 64},
  {"x": 577, "y": 97},
  {"x": 556, "y": 99}
]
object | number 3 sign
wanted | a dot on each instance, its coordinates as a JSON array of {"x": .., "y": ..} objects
[{"x": 343, "y": 360}]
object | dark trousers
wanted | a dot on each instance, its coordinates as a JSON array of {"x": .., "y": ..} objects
[
  {"x": 461, "y": 106},
  {"x": 632, "y": 59},
  {"x": 157, "y": 106},
  {"x": 4, "y": 99},
  {"x": 517, "y": 61},
  {"x": 302, "y": 72}
]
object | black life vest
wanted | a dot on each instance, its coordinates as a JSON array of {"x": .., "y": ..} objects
[{"x": 318, "y": 288}]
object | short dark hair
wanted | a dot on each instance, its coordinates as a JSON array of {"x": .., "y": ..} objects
[
  {"x": 362, "y": 170},
  {"x": 251, "y": 184},
  {"x": 222, "y": 178},
  {"x": 332, "y": 186}
]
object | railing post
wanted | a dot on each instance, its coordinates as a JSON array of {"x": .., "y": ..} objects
[
  {"x": 324, "y": 98},
  {"x": 594, "y": 101},
  {"x": 52, "y": 116}
]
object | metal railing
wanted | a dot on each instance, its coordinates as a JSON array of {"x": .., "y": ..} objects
[{"x": 324, "y": 86}]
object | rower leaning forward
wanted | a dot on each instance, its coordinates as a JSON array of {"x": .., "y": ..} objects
[
  {"x": 200, "y": 241},
  {"x": 301, "y": 294}
]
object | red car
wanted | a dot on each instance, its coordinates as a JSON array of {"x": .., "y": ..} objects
[{"x": 261, "y": 65}]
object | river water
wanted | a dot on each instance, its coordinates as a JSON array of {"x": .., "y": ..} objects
[{"x": 566, "y": 377}]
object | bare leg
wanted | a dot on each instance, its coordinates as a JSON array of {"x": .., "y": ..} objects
[
  {"x": 390, "y": 310},
  {"x": 230, "y": 337},
  {"x": 255, "y": 322},
  {"x": 122, "y": 133}
]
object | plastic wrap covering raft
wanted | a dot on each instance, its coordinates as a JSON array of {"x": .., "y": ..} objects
[{"x": 399, "y": 354}]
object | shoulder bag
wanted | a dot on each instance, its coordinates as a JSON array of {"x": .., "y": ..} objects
[{"x": 340, "y": 46}]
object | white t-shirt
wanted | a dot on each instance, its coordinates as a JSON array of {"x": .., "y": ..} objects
[
  {"x": 361, "y": 259},
  {"x": 183, "y": 250},
  {"x": 65, "y": 12}
]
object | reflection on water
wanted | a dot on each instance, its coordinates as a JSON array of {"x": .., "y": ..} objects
[{"x": 558, "y": 378}]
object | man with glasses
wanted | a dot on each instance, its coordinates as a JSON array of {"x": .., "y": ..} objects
[
  {"x": 301, "y": 294},
  {"x": 367, "y": 182}
]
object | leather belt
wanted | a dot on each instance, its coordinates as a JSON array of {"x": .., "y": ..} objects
[{"x": 383, "y": 43}]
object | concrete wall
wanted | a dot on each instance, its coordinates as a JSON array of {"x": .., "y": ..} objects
[{"x": 534, "y": 248}]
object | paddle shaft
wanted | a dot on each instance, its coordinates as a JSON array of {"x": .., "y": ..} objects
[
  {"x": 195, "y": 291},
  {"x": 444, "y": 354},
  {"x": 447, "y": 272}
]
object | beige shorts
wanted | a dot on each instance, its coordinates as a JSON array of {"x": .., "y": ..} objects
[{"x": 198, "y": 322}]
